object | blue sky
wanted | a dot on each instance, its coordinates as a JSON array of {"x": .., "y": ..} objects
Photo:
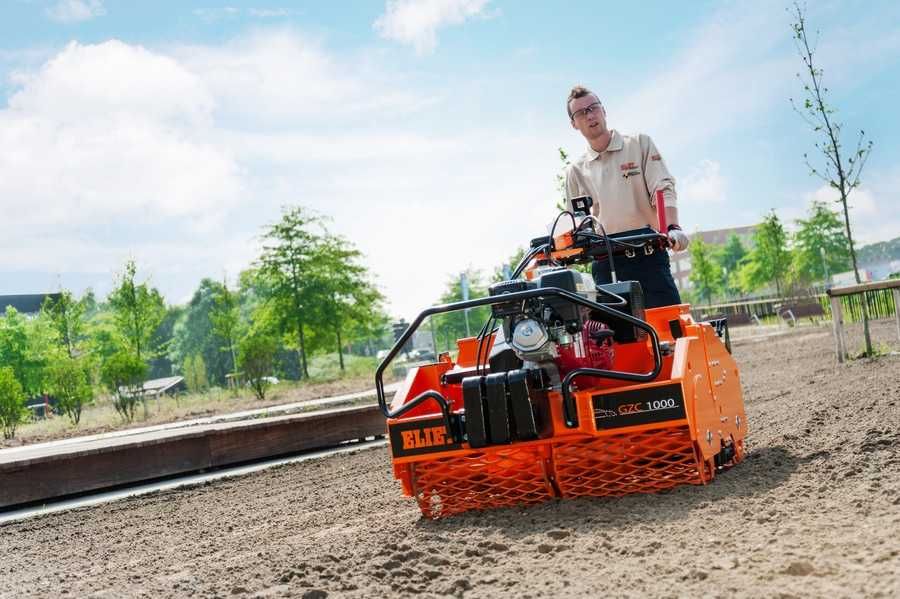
[{"x": 172, "y": 132}]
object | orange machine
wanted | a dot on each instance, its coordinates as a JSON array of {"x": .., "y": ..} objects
[{"x": 578, "y": 391}]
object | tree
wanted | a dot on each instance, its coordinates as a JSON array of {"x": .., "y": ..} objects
[
  {"x": 67, "y": 318},
  {"x": 289, "y": 249},
  {"x": 342, "y": 293},
  {"x": 195, "y": 333},
  {"x": 25, "y": 346},
  {"x": 138, "y": 310},
  {"x": 12, "y": 402},
  {"x": 225, "y": 319},
  {"x": 123, "y": 374},
  {"x": 706, "y": 274},
  {"x": 841, "y": 171},
  {"x": 770, "y": 259},
  {"x": 729, "y": 258},
  {"x": 820, "y": 244},
  {"x": 561, "y": 180},
  {"x": 194, "y": 370},
  {"x": 69, "y": 383},
  {"x": 256, "y": 355},
  {"x": 452, "y": 325}
]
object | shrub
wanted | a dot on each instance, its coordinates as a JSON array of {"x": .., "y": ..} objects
[
  {"x": 70, "y": 384},
  {"x": 123, "y": 374},
  {"x": 12, "y": 402},
  {"x": 194, "y": 369},
  {"x": 256, "y": 355}
]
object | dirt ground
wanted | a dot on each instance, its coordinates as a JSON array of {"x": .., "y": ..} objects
[{"x": 813, "y": 511}]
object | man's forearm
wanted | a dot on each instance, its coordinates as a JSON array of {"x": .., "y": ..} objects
[{"x": 671, "y": 216}]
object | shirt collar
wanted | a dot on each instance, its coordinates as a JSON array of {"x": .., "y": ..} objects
[{"x": 615, "y": 144}]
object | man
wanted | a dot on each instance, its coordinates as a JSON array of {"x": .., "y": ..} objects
[{"x": 622, "y": 174}]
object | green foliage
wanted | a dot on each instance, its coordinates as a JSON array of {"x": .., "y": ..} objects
[
  {"x": 225, "y": 319},
  {"x": 729, "y": 259},
  {"x": 66, "y": 316},
  {"x": 342, "y": 294},
  {"x": 511, "y": 264},
  {"x": 706, "y": 273},
  {"x": 12, "y": 402},
  {"x": 256, "y": 355},
  {"x": 819, "y": 242},
  {"x": 194, "y": 333},
  {"x": 315, "y": 284},
  {"x": 138, "y": 310},
  {"x": 123, "y": 374},
  {"x": 70, "y": 384},
  {"x": 25, "y": 346},
  {"x": 289, "y": 248},
  {"x": 770, "y": 260},
  {"x": 194, "y": 369},
  {"x": 561, "y": 180},
  {"x": 452, "y": 326}
]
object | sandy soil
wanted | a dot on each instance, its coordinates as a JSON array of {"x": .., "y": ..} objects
[{"x": 813, "y": 511}]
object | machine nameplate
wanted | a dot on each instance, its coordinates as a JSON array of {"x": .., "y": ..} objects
[
  {"x": 420, "y": 437},
  {"x": 638, "y": 406}
]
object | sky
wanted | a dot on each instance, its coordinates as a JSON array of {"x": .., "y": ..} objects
[{"x": 426, "y": 131}]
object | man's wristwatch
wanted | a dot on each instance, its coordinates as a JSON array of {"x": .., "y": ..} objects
[{"x": 671, "y": 227}]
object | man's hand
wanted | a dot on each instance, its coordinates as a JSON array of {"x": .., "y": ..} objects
[{"x": 678, "y": 240}]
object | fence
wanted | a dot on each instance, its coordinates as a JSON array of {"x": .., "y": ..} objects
[{"x": 881, "y": 303}]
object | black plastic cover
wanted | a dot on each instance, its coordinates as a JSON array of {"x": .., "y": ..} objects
[
  {"x": 476, "y": 429},
  {"x": 634, "y": 297},
  {"x": 524, "y": 421},
  {"x": 497, "y": 408}
]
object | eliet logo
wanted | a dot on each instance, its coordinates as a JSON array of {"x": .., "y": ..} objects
[{"x": 424, "y": 437}]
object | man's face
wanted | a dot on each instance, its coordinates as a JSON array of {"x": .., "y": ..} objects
[{"x": 588, "y": 116}]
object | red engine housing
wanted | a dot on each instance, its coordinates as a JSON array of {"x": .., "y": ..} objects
[{"x": 587, "y": 352}]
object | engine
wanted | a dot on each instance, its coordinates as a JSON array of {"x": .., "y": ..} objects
[{"x": 553, "y": 333}]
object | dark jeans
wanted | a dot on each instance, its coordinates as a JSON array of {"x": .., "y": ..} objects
[{"x": 652, "y": 272}]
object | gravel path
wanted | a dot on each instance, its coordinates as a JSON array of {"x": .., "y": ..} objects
[{"x": 813, "y": 511}]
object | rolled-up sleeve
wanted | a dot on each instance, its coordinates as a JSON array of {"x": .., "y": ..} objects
[{"x": 656, "y": 173}]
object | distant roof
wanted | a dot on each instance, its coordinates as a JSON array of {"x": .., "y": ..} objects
[
  {"x": 26, "y": 303},
  {"x": 161, "y": 385}
]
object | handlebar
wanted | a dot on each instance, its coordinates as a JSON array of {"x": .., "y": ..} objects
[{"x": 570, "y": 416}]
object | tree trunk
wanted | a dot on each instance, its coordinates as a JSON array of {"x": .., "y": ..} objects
[
  {"x": 302, "y": 341},
  {"x": 340, "y": 349},
  {"x": 865, "y": 304}
]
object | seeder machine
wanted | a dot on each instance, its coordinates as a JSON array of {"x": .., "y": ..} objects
[{"x": 570, "y": 389}]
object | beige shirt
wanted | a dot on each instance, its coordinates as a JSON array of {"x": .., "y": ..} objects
[{"x": 622, "y": 180}]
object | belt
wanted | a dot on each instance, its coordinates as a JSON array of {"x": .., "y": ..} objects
[{"x": 634, "y": 253}]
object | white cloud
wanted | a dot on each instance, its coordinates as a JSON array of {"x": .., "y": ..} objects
[
  {"x": 416, "y": 22},
  {"x": 74, "y": 11},
  {"x": 109, "y": 140},
  {"x": 704, "y": 185}
]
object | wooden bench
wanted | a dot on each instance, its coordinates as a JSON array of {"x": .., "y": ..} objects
[{"x": 790, "y": 313}]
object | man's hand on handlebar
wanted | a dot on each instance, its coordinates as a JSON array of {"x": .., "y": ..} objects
[{"x": 678, "y": 239}]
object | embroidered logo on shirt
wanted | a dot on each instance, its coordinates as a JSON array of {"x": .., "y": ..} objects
[{"x": 628, "y": 166}]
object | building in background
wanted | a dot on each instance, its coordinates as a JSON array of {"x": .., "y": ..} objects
[
  {"x": 28, "y": 304},
  {"x": 681, "y": 261}
]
